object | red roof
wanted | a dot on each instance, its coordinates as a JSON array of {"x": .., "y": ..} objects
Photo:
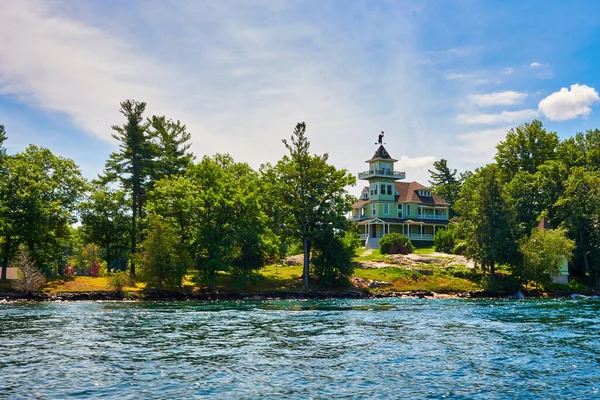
[{"x": 408, "y": 194}]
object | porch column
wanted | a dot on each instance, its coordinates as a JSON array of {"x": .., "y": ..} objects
[{"x": 421, "y": 230}]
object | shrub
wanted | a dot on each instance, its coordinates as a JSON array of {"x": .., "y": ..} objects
[
  {"x": 331, "y": 261},
  {"x": 444, "y": 241},
  {"x": 30, "y": 279},
  {"x": 459, "y": 248},
  {"x": 118, "y": 280},
  {"x": 394, "y": 240},
  {"x": 69, "y": 270},
  {"x": 95, "y": 269}
]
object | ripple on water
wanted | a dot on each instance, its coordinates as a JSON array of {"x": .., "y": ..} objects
[{"x": 385, "y": 348}]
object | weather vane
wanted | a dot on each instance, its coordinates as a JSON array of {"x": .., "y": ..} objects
[{"x": 380, "y": 138}]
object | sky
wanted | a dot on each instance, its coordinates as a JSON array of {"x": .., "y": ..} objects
[{"x": 443, "y": 79}]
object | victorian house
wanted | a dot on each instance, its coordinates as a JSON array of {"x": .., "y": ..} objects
[{"x": 389, "y": 205}]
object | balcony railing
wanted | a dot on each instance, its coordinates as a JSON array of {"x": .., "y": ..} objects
[
  {"x": 388, "y": 173},
  {"x": 411, "y": 236},
  {"x": 358, "y": 217},
  {"x": 431, "y": 216}
]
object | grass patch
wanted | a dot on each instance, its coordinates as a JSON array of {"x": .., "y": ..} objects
[
  {"x": 63, "y": 284},
  {"x": 374, "y": 256},
  {"x": 405, "y": 280},
  {"x": 424, "y": 250}
]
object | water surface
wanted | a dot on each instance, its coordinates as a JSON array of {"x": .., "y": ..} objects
[{"x": 396, "y": 348}]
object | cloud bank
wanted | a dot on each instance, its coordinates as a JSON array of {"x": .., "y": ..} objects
[{"x": 569, "y": 104}]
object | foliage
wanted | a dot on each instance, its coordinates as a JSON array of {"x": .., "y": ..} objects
[
  {"x": 525, "y": 148},
  {"x": 579, "y": 209},
  {"x": 394, "y": 240},
  {"x": 165, "y": 260},
  {"x": 332, "y": 257},
  {"x": 39, "y": 193},
  {"x": 30, "y": 279},
  {"x": 132, "y": 164},
  {"x": 459, "y": 248},
  {"x": 445, "y": 183},
  {"x": 96, "y": 269},
  {"x": 543, "y": 253},
  {"x": 486, "y": 221},
  {"x": 171, "y": 145},
  {"x": 118, "y": 280},
  {"x": 85, "y": 259},
  {"x": 105, "y": 220},
  {"x": 444, "y": 240},
  {"x": 230, "y": 220},
  {"x": 310, "y": 193}
]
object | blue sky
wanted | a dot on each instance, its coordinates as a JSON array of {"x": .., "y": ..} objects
[{"x": 444, "y": 79}]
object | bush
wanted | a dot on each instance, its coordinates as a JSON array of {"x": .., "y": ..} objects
[
  {"x": 459, "y": 248},
  {"x": 30, "y": 279},
  {"x": 444, "y": 241},
  {"x": 118, "y": 280},
  {"x": 332, "y": 256},
  {"x": 69, "y": 270},
  {"x": 394, "y": 240}
]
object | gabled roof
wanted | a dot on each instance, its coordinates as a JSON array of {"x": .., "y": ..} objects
[
  {"x": 407, "y": 193},
  {"x": 360, "y": 203},
  {"x": 544, "y": 225},
  {"x": 381, "y": 154}
]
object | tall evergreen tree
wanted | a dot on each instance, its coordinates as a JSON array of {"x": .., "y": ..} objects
[
  {"x": 2, "y": 140},
  {"x": 172, "y": 142},
  {"x": 132, "y": 164},
  {"x": 445, "y": 183}
]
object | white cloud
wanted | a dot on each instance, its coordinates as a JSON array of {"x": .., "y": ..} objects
[
  {"x": 568, "y": 104},
  {"x": 239, "y": 74},
  {"x": 479, "y": 147},
  {"x": 505, "y": 117},
  {"x": 508, "y": 71},
  {"x": 535, "y": 65},
  {"x": 505, "y": 98}
]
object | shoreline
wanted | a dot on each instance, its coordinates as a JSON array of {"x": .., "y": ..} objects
[{"x": 13, "y": 297}]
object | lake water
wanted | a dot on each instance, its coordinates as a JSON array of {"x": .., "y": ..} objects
[{"x": 396, "y": 348}]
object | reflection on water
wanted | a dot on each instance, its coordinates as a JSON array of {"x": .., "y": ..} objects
[{"x": 396, "y": 348}]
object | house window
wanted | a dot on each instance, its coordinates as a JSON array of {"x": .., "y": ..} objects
[
  {"x": 362, "y": 212},
  {"x": 386, "y": 209},
  {"x": 399, "y": 210},
  {"x": 374, "y": 209},
  {"x": 408, "y": 210},
  {"x": 376, "y": 188},
  {"x": 419, "y": 211},
  {"x": 389, "y": 190}
]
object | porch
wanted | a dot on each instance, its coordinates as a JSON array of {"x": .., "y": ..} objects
[{"x": 372, "y": 230}]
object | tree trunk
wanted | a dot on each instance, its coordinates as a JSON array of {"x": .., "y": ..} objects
[
  {"x": 6, "y": 256},
  {"x": 108, "y": 256},
  {"x": 306, "y": 246},
  {"x": 493, "y": 270},
  {"x": 133, "y": 232}
]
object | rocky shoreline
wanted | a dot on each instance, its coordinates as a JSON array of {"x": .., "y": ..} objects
[{"x": 265, "y": 296}]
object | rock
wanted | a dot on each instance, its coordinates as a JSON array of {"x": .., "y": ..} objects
[
  {"x": 294, "y": 261},
  {"x": 425, "y": 271}
]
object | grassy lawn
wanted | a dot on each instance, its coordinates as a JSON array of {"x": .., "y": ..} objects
[
  {"x": 424, "y": 250},
  {"x": 374, "y": 256},
  {"x": 82, "y": 284}
]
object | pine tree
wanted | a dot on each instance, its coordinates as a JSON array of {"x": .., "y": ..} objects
[{"x": 30, "y": 279}]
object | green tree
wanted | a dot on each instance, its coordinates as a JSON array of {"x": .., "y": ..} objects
[
  {"x": 2, "y": 140},
  {"x": 444, "y": 240},
  {"x": 486, "y": 221},
  {"x": 525, "y": 148},
  {"x": 105, "y": 220},
  {"x": 312, "y": 192},
  {"x": 172, "y": 142},
  {"x": 176, "y": 200},
  {"x": 582, "y": 150},
  {"x": 579, "y": 209},
  {"x": 543, "y": 254},
  {"x": 445, "y": 183},
  {"x": 230, "y": 219},
  {"x": 38, "y": 197},
  {"x": 132, "y": 164},
  {"x": 165, "y": 260}
]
